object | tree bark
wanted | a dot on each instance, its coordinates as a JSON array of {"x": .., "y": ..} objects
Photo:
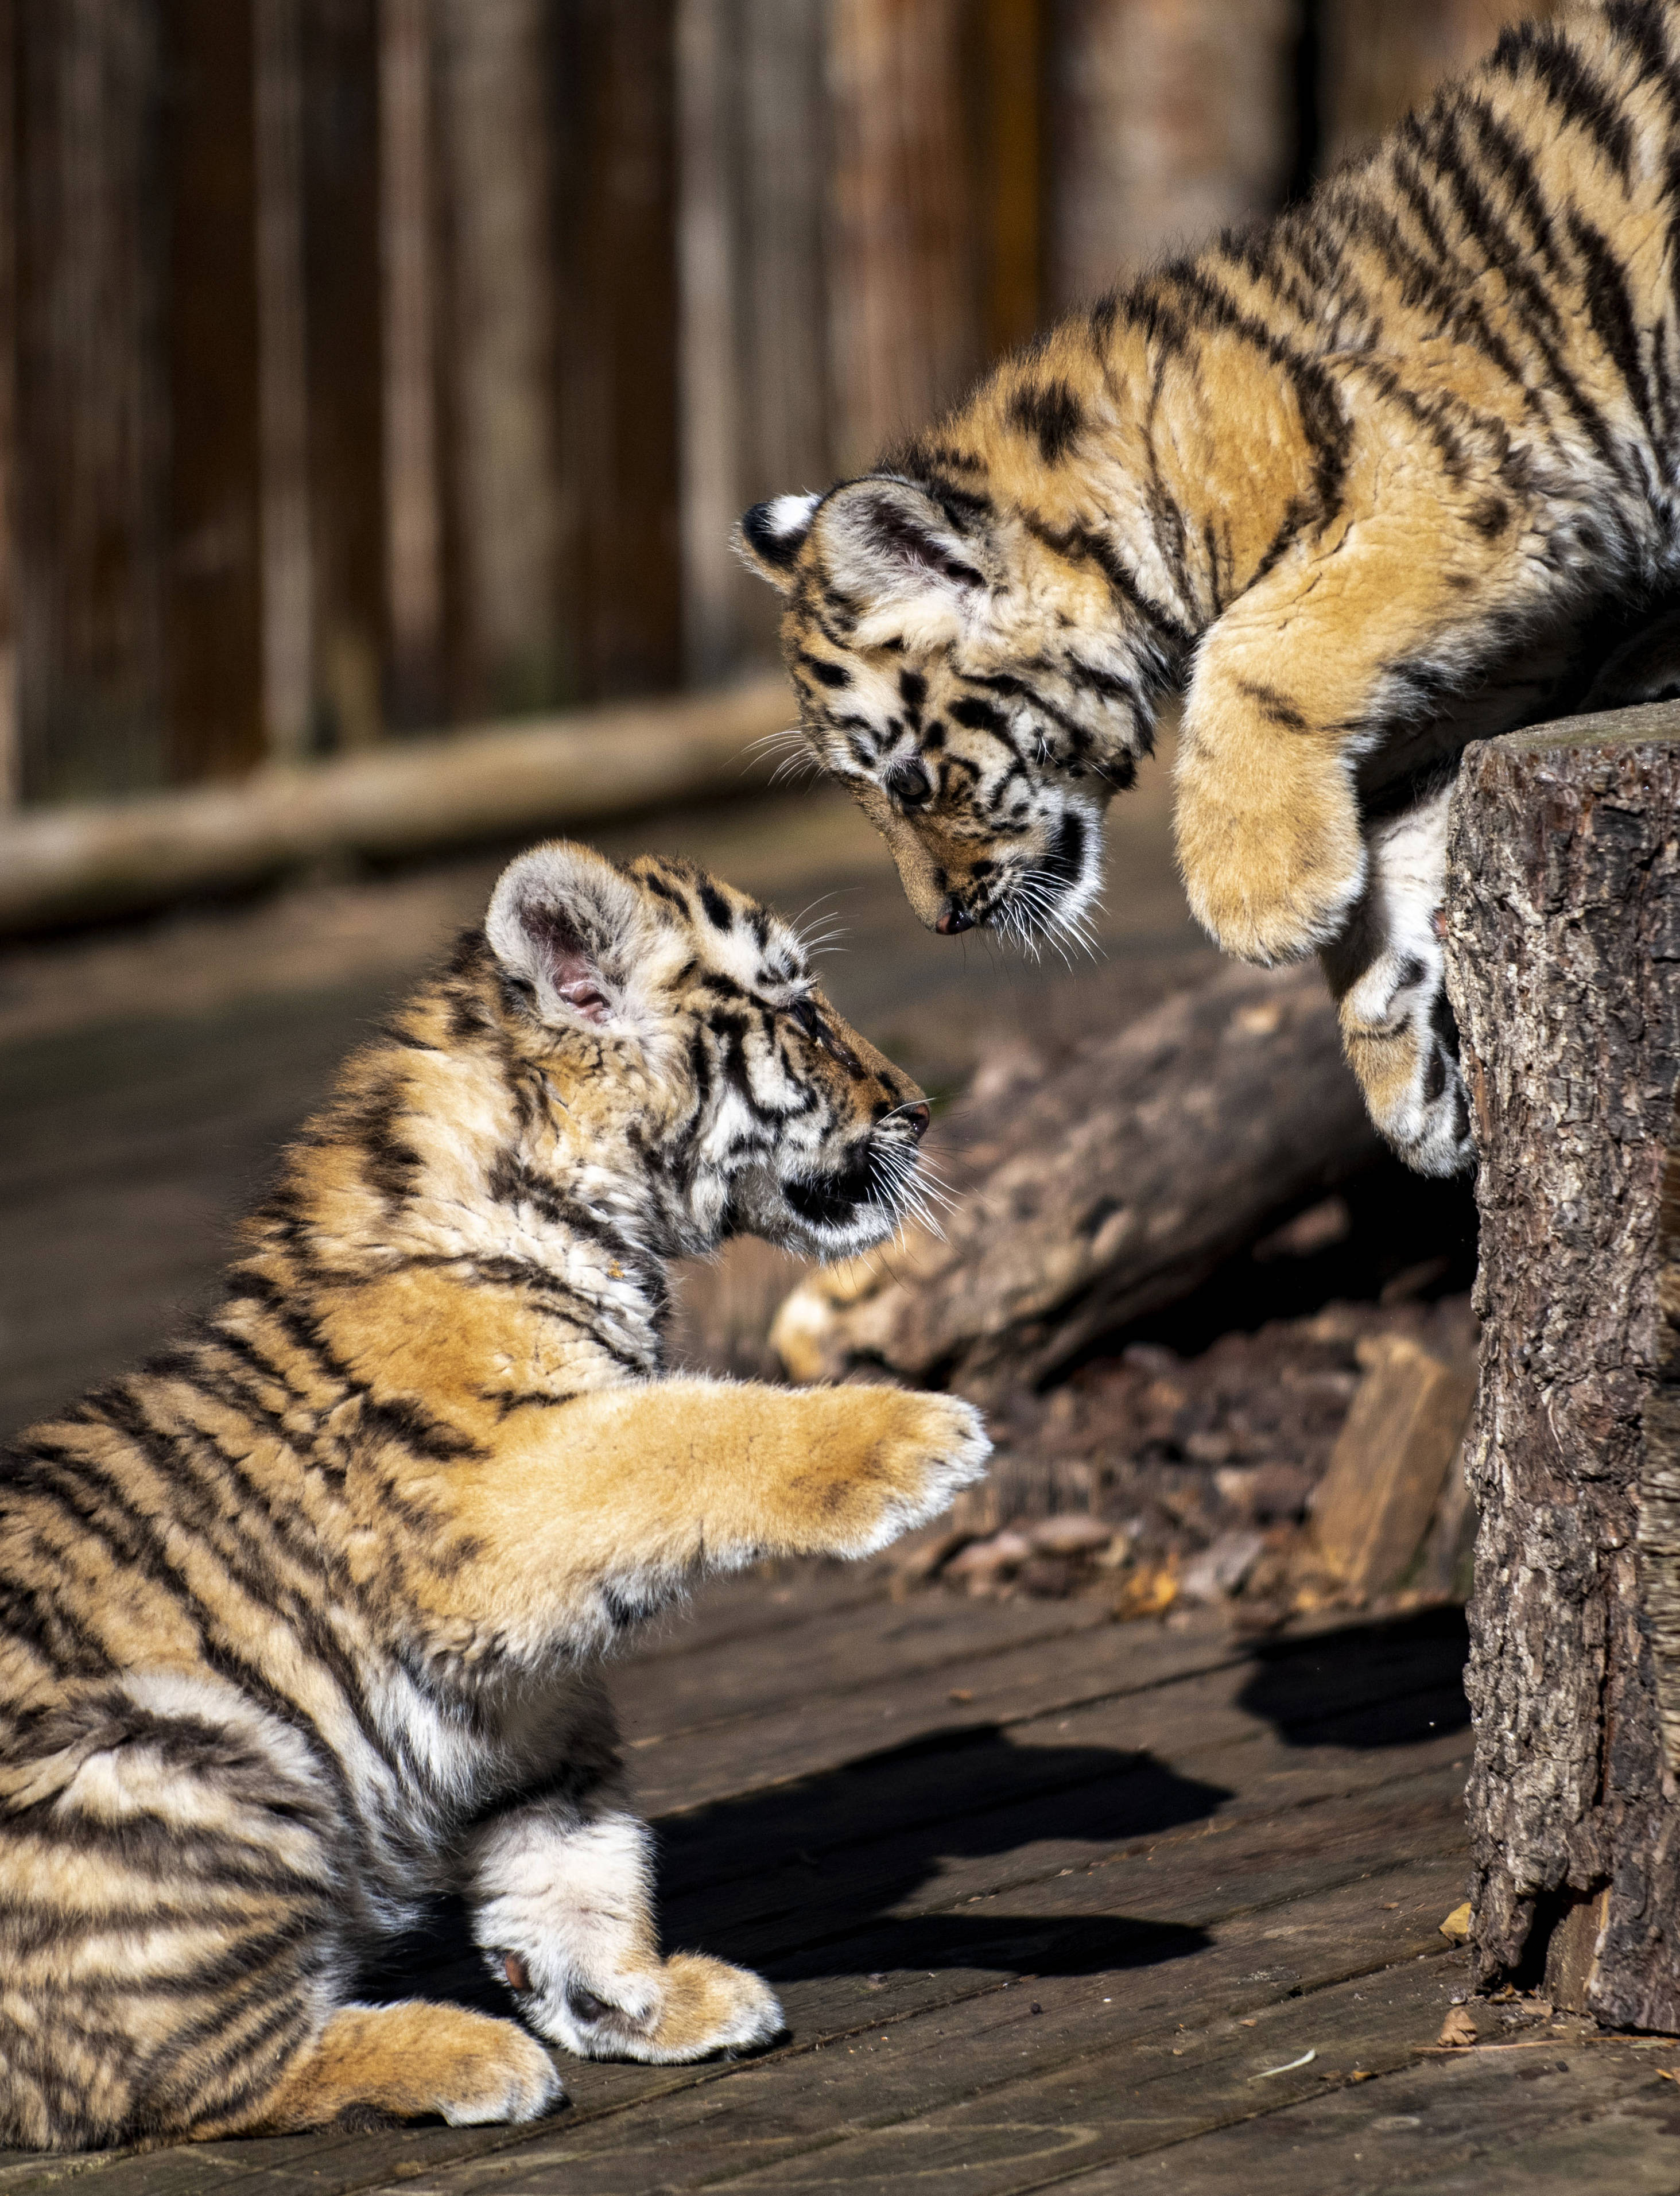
[
  {"x": 1110, "y": 1191},
  {"x": 1564, "y": 918}
]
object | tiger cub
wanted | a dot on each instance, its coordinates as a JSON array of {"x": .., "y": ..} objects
[
  {"x": 1353, "y": 478},
  {"x": 300, "y": 1623}
]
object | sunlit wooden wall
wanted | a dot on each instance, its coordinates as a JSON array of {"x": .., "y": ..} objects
[{"x": 374, "y": 365}]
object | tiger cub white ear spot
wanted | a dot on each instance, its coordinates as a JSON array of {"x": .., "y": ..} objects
[
  {"x": 771, "y": 534},
  {"x": 565, "y": 922}
]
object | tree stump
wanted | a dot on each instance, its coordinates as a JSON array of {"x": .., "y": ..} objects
[{"x": 1564, "y": 934}]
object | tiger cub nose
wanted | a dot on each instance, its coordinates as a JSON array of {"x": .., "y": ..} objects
[
  {"x": 952, "y": 918},
  {"x": 918, "y": 1116}
]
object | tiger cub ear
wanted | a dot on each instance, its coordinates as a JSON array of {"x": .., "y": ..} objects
[
  {"x": 884, "y": 540},
  {"x": 771, "y": 534},
  {"x": 564, "y": 921}
]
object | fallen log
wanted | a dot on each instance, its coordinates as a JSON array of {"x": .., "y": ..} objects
[
  {"x": 1564, "y": 934},
  {"x": 1112, "y": 1190},
  {"x": 96, "y": 858}
]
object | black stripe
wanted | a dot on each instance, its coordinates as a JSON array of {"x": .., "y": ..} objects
[
  {"x": 1505, "y": 153},
  {"x": 1583, "y": 99},
  {"x": 1610, "y": 308}
]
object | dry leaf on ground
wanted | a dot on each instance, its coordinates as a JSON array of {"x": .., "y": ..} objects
[{"x": 1457, "y": 2029}]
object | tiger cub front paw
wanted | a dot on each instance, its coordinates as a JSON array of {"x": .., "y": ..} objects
[
  {"x": 903, "y": 1458},
  {"x": 1268, "y": 840}
]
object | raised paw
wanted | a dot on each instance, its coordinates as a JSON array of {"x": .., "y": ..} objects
[
  {"x": 1269, "y": 843},
  {"x": 907, "y": 1457}
]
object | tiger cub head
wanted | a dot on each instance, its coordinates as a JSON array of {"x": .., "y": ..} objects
[
  {"x": 968, "y": 677},
  {"x": 676, "y": 1023}
]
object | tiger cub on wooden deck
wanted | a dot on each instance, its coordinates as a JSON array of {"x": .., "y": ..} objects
[
  {"x": 1356, "y": 476},
  {"x": 298, "y": 1624}
]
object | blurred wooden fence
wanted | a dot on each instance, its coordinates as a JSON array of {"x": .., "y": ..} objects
[{"x": 373, "y": 364}]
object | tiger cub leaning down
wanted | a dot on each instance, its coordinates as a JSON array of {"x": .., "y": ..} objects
[
  {"x": 1357, "y": 479},
  {"x": 299, "y": 1623}
]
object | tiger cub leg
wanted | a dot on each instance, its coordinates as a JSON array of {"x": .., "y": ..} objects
[
  {"x": 1295, "y": 684},
  {"x": 410, "y": 2061},
  {"x": 1387, "y": 972},
  {"x": 563, "y": 1910}
]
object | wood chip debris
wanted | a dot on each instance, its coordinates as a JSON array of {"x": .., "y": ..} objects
[
  {"x": 1457, "y": 2030},
  {"x": 1457, "y": 1927}
]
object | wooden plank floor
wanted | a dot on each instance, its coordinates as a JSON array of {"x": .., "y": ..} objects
[{"x": 1050, "y": 1901}]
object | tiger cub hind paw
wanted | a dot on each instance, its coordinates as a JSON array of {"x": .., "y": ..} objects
[
  {"x": 520, "y": 2084},
  {"x": 1431, "y": 1132},
  {"x": 699, "y": 2006},
  {"x": 1402, "y": 1044},
  {"x": 413, "y": 2060}
]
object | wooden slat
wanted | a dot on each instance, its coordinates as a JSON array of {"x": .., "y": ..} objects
[
  {"x": 800, "y": 1737},
  {"x": 11, "y": 757},
  {"x": 91, "y": 388},
  {"x": 708, "y": 247},
  {"x": 283, "y": 411},
  {"x": 829, "y": 1655},
  {"x": 755, "y": 365},
  {"x": 1560, "y": 2114},
  {"x": 213, "y": 629},
  {"x": 615, "y": 122},
  {"x": 909, "y": 1835},
  {"x": 414, "y": 519},
  {"x": 1378, "y": 61},
  {"x": 1010, "y": 163},
  {"x": 1168, "y": 118},
  {"x": 344, "y": 327},
  {"x": 904, "y": 320},
  {"x": 509, "y": 648}
]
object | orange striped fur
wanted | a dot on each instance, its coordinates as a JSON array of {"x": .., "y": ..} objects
[
  {"x": 1366, "y": 481},
  {"x": 301, "y": 1624}
]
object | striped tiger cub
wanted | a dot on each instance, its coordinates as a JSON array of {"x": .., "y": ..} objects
[
  {"x": 301, "y": 1623},
  {"x": 1359, "y": 480}
]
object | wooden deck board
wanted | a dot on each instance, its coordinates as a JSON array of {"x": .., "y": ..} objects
[
  {"x": 1154, "y": 1836},
  {"x": 922, "y": 1817}
]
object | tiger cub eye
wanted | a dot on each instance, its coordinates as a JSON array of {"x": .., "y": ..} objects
[{"x": 909, "y": 783}]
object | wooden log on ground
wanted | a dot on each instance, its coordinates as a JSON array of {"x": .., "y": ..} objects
[
  {"x": 69, "y": 864},
  {"x": 1114, "y": 1188},
  {"x": 1564, "y": 934},
  {"x": 1389, "y": 1467}
]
